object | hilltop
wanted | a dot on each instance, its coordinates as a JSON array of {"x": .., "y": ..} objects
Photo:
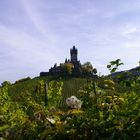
[{"x": 71, "y": 67}]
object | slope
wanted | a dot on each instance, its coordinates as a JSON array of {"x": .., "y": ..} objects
[{"x": 70, "y": 87}]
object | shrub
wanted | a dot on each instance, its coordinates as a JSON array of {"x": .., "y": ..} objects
[{"x": 23, "y": 80}]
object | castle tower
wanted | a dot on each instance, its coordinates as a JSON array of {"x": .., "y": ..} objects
[{"x": 73, "y": 54}]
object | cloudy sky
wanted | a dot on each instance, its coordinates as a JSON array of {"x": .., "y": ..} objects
[{"x": 35, "y": 34}]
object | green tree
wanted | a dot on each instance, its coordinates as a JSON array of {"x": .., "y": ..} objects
[
  {"x": 6, "y": 83},
  {"x": 87, "y": 68},
  {"x": 67, "y": 67}
]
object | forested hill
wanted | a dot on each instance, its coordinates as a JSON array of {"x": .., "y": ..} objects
[{"x": 130, "y": 73}]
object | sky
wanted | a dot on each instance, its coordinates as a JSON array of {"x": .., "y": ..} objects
[{"x": 36, "y": 34}]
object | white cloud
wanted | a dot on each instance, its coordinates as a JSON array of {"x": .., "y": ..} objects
[
  {"x": 25, "y": 53},
  {"x": 102, "y": 30},
  {"x": 41, "y": 25}
]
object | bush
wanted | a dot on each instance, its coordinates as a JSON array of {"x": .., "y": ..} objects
[
  {"x": 23, "y": 80},
  {"x": 6, "y": 83}
]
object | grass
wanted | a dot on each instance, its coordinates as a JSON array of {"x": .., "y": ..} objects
[{"x": 70, "y": 87}]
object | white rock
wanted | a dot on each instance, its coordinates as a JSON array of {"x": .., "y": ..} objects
[{"x": 73, "y": 102}]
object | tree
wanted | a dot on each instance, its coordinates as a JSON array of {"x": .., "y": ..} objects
[
  {"x": 67, "y": 67},
  {"x": 94, "y": 70},
  {"x": 6, "y": 83},
  {"x": 87, "y": 68}
]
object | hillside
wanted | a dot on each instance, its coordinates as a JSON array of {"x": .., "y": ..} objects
[
  {"x": 70, "y": 86},
  {"x": 109, "y": 110},
  {"x": 134, "y": 72}
]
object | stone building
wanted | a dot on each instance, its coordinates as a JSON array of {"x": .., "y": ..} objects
[{"x": 60, "y": 71}]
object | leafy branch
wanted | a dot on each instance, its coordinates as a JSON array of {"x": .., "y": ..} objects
[{"x": 113, "y": 65}]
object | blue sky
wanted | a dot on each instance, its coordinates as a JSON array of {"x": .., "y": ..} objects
[{"x": 36, "y": 34}]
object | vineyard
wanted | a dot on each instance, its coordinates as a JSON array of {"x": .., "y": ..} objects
[
  {"x": 71, "y": 87},
  {"x": 110, "y": 109}
]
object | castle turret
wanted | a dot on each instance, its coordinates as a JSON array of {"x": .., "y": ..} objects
[{"x": 73, "y": 54}]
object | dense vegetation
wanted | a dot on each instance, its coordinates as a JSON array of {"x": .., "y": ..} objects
[{"x": 110, "y": 109}]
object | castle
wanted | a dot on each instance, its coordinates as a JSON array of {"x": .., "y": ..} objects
[{"x": 76, "y": 67}]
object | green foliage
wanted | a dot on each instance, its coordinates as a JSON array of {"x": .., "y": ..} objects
[
  {"x": 110, "y": 110},
  {"x": 12, "y": 116},
  {"x": 6, "y": 83},
  {"x": 87, "y": 68},
  {"x": 113, "y": 65},
  {"x": 71, "y": 87},
  {"x": 55, "y": 92},
  {"x": 23, "y": 80},
  {"x": 67, "y": 68}
]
